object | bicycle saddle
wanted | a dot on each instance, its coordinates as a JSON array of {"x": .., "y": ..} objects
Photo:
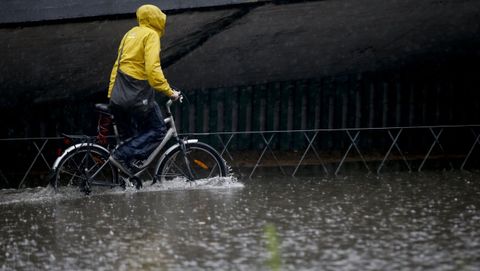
[{"x": 103, "y": 108}]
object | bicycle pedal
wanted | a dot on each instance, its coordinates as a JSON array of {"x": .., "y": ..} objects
[{"x": 138, "y": 164}]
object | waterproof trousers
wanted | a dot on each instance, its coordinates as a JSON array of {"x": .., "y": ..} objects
[{"x": 140, "y": 133}]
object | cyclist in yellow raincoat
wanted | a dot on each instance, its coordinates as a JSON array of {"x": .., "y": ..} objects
[{"x": 135, "y": 76}]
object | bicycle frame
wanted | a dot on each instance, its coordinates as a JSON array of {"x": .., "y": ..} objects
[{"x": 171, "y": 133}]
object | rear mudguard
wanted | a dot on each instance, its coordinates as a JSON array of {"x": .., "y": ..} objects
[{"x": 74, "y": 148}]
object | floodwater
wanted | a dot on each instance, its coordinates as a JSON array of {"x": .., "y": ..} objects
[{"x": 428, "y": 221}]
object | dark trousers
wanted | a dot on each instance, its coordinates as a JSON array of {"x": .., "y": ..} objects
[{"x": 141, "y": 133}]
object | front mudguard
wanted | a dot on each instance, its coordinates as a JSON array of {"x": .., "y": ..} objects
[{"x": 169, "y": 150}]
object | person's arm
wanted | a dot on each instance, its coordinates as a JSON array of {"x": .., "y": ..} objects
[
  {"x": 155, "y": 76},
  {"x": 113, "y": 75}
]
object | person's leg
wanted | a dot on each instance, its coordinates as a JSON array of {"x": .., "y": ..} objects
[
  {"x": 123, "y": 119},
  {"x": 151, "y": 131},
  {"x": 127, "y": 130}
]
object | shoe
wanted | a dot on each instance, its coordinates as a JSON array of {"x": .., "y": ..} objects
[{"x": 122, "y": 165}]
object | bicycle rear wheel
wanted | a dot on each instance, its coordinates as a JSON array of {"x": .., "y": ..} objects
[
  {"x": 200, "y": 161},
  {"x": 88, "y": 162}
]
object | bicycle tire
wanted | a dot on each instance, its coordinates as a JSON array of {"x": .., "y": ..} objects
[
  {"x": 205, "y": 162},
  {"x": 85, "y": 159}
]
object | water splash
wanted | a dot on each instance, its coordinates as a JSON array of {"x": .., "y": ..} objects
[
  {"x": 47, "y": 194},
  {"x": 210, "y": 183}
]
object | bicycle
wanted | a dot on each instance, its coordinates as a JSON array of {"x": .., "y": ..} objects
[{"x": 87, "y": 164}]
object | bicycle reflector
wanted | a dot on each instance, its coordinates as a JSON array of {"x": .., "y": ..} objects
[
  {"x": 200, "y": 164},
  {"x": 104, "y": 122},
  {"x": 67, "y": 141}
]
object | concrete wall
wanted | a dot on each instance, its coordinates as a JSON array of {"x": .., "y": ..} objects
[
  {"x": 21, "y": 11},
  {"x": 245, "y": 45},
  {"x": 68, "y": 63},
  {"x": 325, "y": 38},
  {"x": 73, "y": 60}
]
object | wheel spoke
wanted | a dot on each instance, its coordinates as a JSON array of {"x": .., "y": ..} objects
[
  {"x": 73, "y": 176},
  {"x": 177, "y": 167},
  {"x": 78, "y": 169},
  {"x": 86, "y": 166}
]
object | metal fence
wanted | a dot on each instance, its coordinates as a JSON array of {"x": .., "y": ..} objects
[
  {"x": 372, "y": 150},
  {"x": 391, "y": 144}
]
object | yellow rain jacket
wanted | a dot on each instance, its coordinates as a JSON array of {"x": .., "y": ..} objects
[{"x": 140, "y": 50}]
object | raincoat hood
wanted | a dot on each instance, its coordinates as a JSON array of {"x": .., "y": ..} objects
[{"x": 152, "y": 17}]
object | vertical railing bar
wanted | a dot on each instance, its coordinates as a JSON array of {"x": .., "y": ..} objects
[
  {"x": 41, "y": 155},
  {"x": 477, "y": 137},
  {"x": 306, "y": 151},
  {"x": 31, "y": 165},
  {"x": 388, "y": 152},
  {"x": 261, "y": 155},
  {"x": 358, "y": 150},
  {"x": 443, "y": 150},
  {"x": 276, "y": 160},
  {"x": 320, "y": 159},
  {"x": 401, "y": 154},
  {"x": 225, "y": 146},
  {"x": 344, "y": 156},
  {"x": 221, "y": 154},
  {"x": 394, "y": 144},
  {"x": 435, "y": 140}
]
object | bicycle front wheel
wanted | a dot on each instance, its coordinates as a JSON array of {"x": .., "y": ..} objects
[
  {"x": 85, "y": 166},
  {"x": 199, "y": 161}
]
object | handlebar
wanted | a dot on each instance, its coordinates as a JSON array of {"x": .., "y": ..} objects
[{"x": 170, "y": 101}]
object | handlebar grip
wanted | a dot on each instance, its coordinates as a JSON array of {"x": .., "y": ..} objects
[{"x": 180, "y": 98}]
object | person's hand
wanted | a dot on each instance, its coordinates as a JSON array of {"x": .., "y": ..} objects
[{"x": 175, "y": 95}]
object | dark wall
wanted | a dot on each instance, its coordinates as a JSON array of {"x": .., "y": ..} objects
[
  {"x": 52, "y": 73},
  {"x": 328, "y": 38},
  {"x": 23, "y": 11}
]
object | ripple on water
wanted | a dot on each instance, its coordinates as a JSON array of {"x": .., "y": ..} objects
[{"x": 398, "y": 222}]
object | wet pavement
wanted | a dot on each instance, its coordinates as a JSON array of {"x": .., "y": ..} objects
[{"x": 428, "y": 221}]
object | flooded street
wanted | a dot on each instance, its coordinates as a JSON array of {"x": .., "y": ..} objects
[{"x": 428, "y": 221}]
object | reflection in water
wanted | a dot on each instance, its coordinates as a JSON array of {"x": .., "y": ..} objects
[{"x": 400, "y": 221}]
